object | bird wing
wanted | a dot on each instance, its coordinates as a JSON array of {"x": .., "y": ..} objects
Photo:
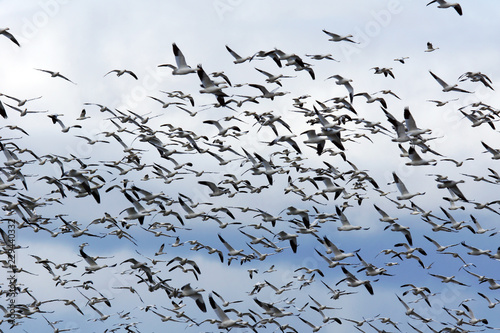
[
  {"x": 220, "y": 313},
  {"x": 439, "y": 80},
  {"x": 399, "y": 184},
  {"x": 234, "y": 54},
  {"x": 11, "y": 37},
  {"x": 179, "y": 57}
]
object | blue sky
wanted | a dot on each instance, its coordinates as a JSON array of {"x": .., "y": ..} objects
[{"x": 85, "y": 40}]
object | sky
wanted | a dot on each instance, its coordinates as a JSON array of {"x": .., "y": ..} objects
[{"x": 86, "y": 40}]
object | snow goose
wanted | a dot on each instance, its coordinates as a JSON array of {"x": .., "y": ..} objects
[
  {"x": 237, "y": 58},
  {"x": 210, "y": 87},
  {"x": 314, "y": 138},
  {"x": 383, "y": 70},
  {"x": 346, "y": 225},
  {"x": 411, "y": 126},
  {"x": 271, "y": 309},
  {"x": 396, "y": 227},
  {"x": 445, "y": 4},
  {"x": 55, "y": 74},
  {"x": 271, "y": 78},
  {"x": 455, "y": 224},
  {"x": 216, "y": 190},
  {"x": 321, "y": 56},
  {"x": 190, "y": 213},
  {"x": 326, "y": 318},
  {"x": 188, "y": 291},
  {"x": 225, "y": 303},
  {"x": 370, "y": 269},
  {"x": 92, "y": 265},
  {"x": 440, "y": 248},
  {"x": 352, "y": 281},
  {"x": 314, "y": 327},
  {"x": 477, "y": 77},
  {"x": 389, "y": 92},
  {"x": 259, "y": 256},
  {"x": 491, "y": 304},
  {"x": 340, "y": 80},
  {"x": 231, "y": 251},
  {"x": 472, "y": 319},
  {"x": 223, "y": 131},
  {"x": 447, "y": 87},
  {"x": 120, "y": 72},
  {"x": 371, "y": 99},
  {"x": 441, "y": 103},
  {"x": 410, "y": 311},
  {"x": 338, "y": 38},
  {"x": 385, "y": 217},
  {"x": 405, "y": 195},
  {"x": 474, "y": 251},
  {"x": 21, "y": 102},
  {"x": 493, "y": 151},
  {"x": 430, "y": 47},
  {"x": 224, "y": 322},
  {"x": 266, "y": 93},
  {"x": 165, "y": 318},
  {"x": 493, "y": 284},
  {"x": 64, "y": 128},
  {"x": 449, "y": 279},
  {"x": 339, "y": 255},
  {"x": 457, "y": 163},
  {"x": 477, "y": 118},
  {"x": 330, "y": 187},
  {"x": 292, "y": 238},
  {"x": 452, "y": 186},
  {"x": 402, "y": 59},
  {"x": 479, "y": 228},
  {"x": 182, "y": 68},
  {"x": 417, "y": 291},
  {"x": 287, "y": 138},
  {"x": 417, "y": 160}
]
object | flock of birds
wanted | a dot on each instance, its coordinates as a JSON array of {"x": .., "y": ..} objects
[{"x": 168, "y": 182}]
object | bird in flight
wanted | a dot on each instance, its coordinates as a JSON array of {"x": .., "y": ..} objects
[
  {"x": 447, "y": 87},
  {"x": 446, "y": 4},
  {"x": 120, "y": 72},
  {"x": 55, "y": 74},
  {"x": 182, "y": 67}
]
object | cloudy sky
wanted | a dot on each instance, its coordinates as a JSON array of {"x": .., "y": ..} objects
[{"x": 85, "y": 40}]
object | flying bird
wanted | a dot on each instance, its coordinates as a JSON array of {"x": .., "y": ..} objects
[
  {"x": 338, "y": 38},
  {"x": 340, "y": 80},
  {"x": 447, "y": 87},
  {"x": 182, "y": 67},
  {"x": 237, "y": 58},
  {"x": 55, "y": 74},
  {"x": 446, "y": 4},
  {"x": 120, "y": 72},
  {"x": 430, "y": 47}
]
